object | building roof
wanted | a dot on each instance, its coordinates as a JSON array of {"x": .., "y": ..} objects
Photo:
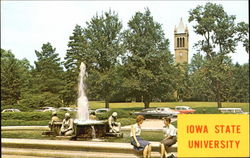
[{"x": 181, "y": 28}]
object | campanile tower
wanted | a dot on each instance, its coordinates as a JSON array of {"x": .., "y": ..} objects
[{"x": 181, "y": 42}]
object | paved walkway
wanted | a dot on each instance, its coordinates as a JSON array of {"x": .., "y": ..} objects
[
  {"x": 73, "y": 149},
  {"x": 20, "y": 156},
  {"x": 150, "y": 125}
]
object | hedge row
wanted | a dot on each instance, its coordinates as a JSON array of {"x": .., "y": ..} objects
[
  {"x": 24, "y": 123},
  {"x": 39, "y": 116},
  {"x": 123, "y": 121},
  {"x": 121, "y": 114},
  {"x": 30, "y": 116}
]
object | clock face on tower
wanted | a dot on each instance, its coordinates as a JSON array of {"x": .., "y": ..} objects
[{"x": 181, "y": 54}]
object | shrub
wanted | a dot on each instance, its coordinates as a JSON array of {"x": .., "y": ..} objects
[
  {"x": 207, "y": 110},
  {"x": 31, "y": 116},
  {"x": 20, "y": 107},
  {"x": 121, "y": 114},
  {"x": 103, "y": 116},
  {"x": 126, "y": 121},
  {"x": 24, "y": 123},
  {"x": 34, "y": 101}
]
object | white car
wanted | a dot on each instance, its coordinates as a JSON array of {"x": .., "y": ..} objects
[
  {"x": 102, "y": 110},
  {"x": 158, "y": 112},
  {"x": 168, "y": 111},
  {"x": 47, "y": 109},
  {"x": 232, "y": 110},
  {"x": 66, "y": 109},
  {"x": 11, "y": 110}
]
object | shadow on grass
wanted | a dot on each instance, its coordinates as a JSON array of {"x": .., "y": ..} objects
[
  {"x": 132, "y": 109},
  {"x": 207, "y": 110}
]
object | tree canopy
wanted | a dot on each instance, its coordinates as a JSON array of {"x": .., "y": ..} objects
[
  {"x": 133, "y": 64},
  {"x": 149, "y": 63}
]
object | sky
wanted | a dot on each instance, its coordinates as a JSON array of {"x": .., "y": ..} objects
[{"x": 27, "y": 25}]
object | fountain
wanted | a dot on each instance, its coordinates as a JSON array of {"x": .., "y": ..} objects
[{"x": 83, "y": 126}]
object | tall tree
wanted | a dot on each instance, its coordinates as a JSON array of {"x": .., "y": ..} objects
[
  {"x": 48, "y": 78},
  {"x": 148, "y": 64},
  {"x": 10, "y": 81},
  {"x": 15, "y": 78},
  {"x": 198, "y": 83},
  {"x": 239, "y": 83},
  {"x": 218, "y": 31},
  {"x": 243, "y": 34},
  {"x": 182, "y": 81},
  {"x": 76, "y": 53},
  {"x": 103, "y": 34}
]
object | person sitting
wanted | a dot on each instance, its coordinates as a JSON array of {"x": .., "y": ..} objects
[
  {"x": 54, "y": 125},
  {"x": 170, "y": 133},
  {"x": 112, "y": 121},
  {"x": 138, "y": 143},
  {"x": 54, "y": 118},
  {"x": 92, "y": 116},
  {"x": 67, "y": 126}
]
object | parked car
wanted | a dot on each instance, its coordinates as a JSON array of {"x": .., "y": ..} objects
[
  {"x": 68, "y": 109},
  {"x": 91, "y": 111},
  {"x": 46, "y": 109},
  {"x": 11, "y": 110},
  {"x": 158, "y": 112},
  {"x": 168, "y": 111},
  {"x": 102, "y": 110},
  {"x": 184, "y": 109},
  {"x": 148, "y": 112},
  {"x": 232, "y": 110}
]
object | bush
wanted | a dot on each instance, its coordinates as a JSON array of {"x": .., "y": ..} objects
[
  {"x": 103, "y": 116},
  {"x": 207, "y": 110},
  {"x": 34, "y": 101},
  {"x": 126, "y": 121},
  {"x": 31, "y": 116},
  {"x": 24, "y": 123},
  {"x": 121, "y": 114},
  {"x": 20, "y": 107}
]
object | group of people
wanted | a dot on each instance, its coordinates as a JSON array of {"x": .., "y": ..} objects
[{"x": 139, "y": 144}]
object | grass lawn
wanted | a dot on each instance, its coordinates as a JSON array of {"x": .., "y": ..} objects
[
  {"x": 140, "y": 105},
  {"x": 124, "y": 111},
  {"x": 33, "y": 134},
  {"x": 37, "y": 134}
]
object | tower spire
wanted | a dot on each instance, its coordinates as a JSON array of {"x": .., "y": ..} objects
[
  {"x": 181, "y": 42},
  {"x": 181, "y": 27}
]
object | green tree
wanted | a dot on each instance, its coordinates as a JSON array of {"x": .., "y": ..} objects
[
  {"x": 239, "y": 83},
  {"x": 182, "y": 82},
  {"x": 243, "y": 34},
  {"x": 148, "y": 63},
  {"x": 47, "y": 80},
  {"x": 10, "y": 81},
  {"x": 48, "y": 69},
  {"x": 218, "y": 31},
  {"x": 14, "y": 78},
  {"x": 103, "y": 35},
  {"x": 199, "y": 84},
  {"x": 76, "y": 53}
]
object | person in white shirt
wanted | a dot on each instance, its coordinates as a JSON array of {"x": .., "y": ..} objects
[
  {"x": 170, "y": 136},
  {"x": 138, "y": 143}
]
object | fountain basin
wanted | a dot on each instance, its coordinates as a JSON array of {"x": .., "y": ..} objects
[{"x": 90, "y": 129}]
